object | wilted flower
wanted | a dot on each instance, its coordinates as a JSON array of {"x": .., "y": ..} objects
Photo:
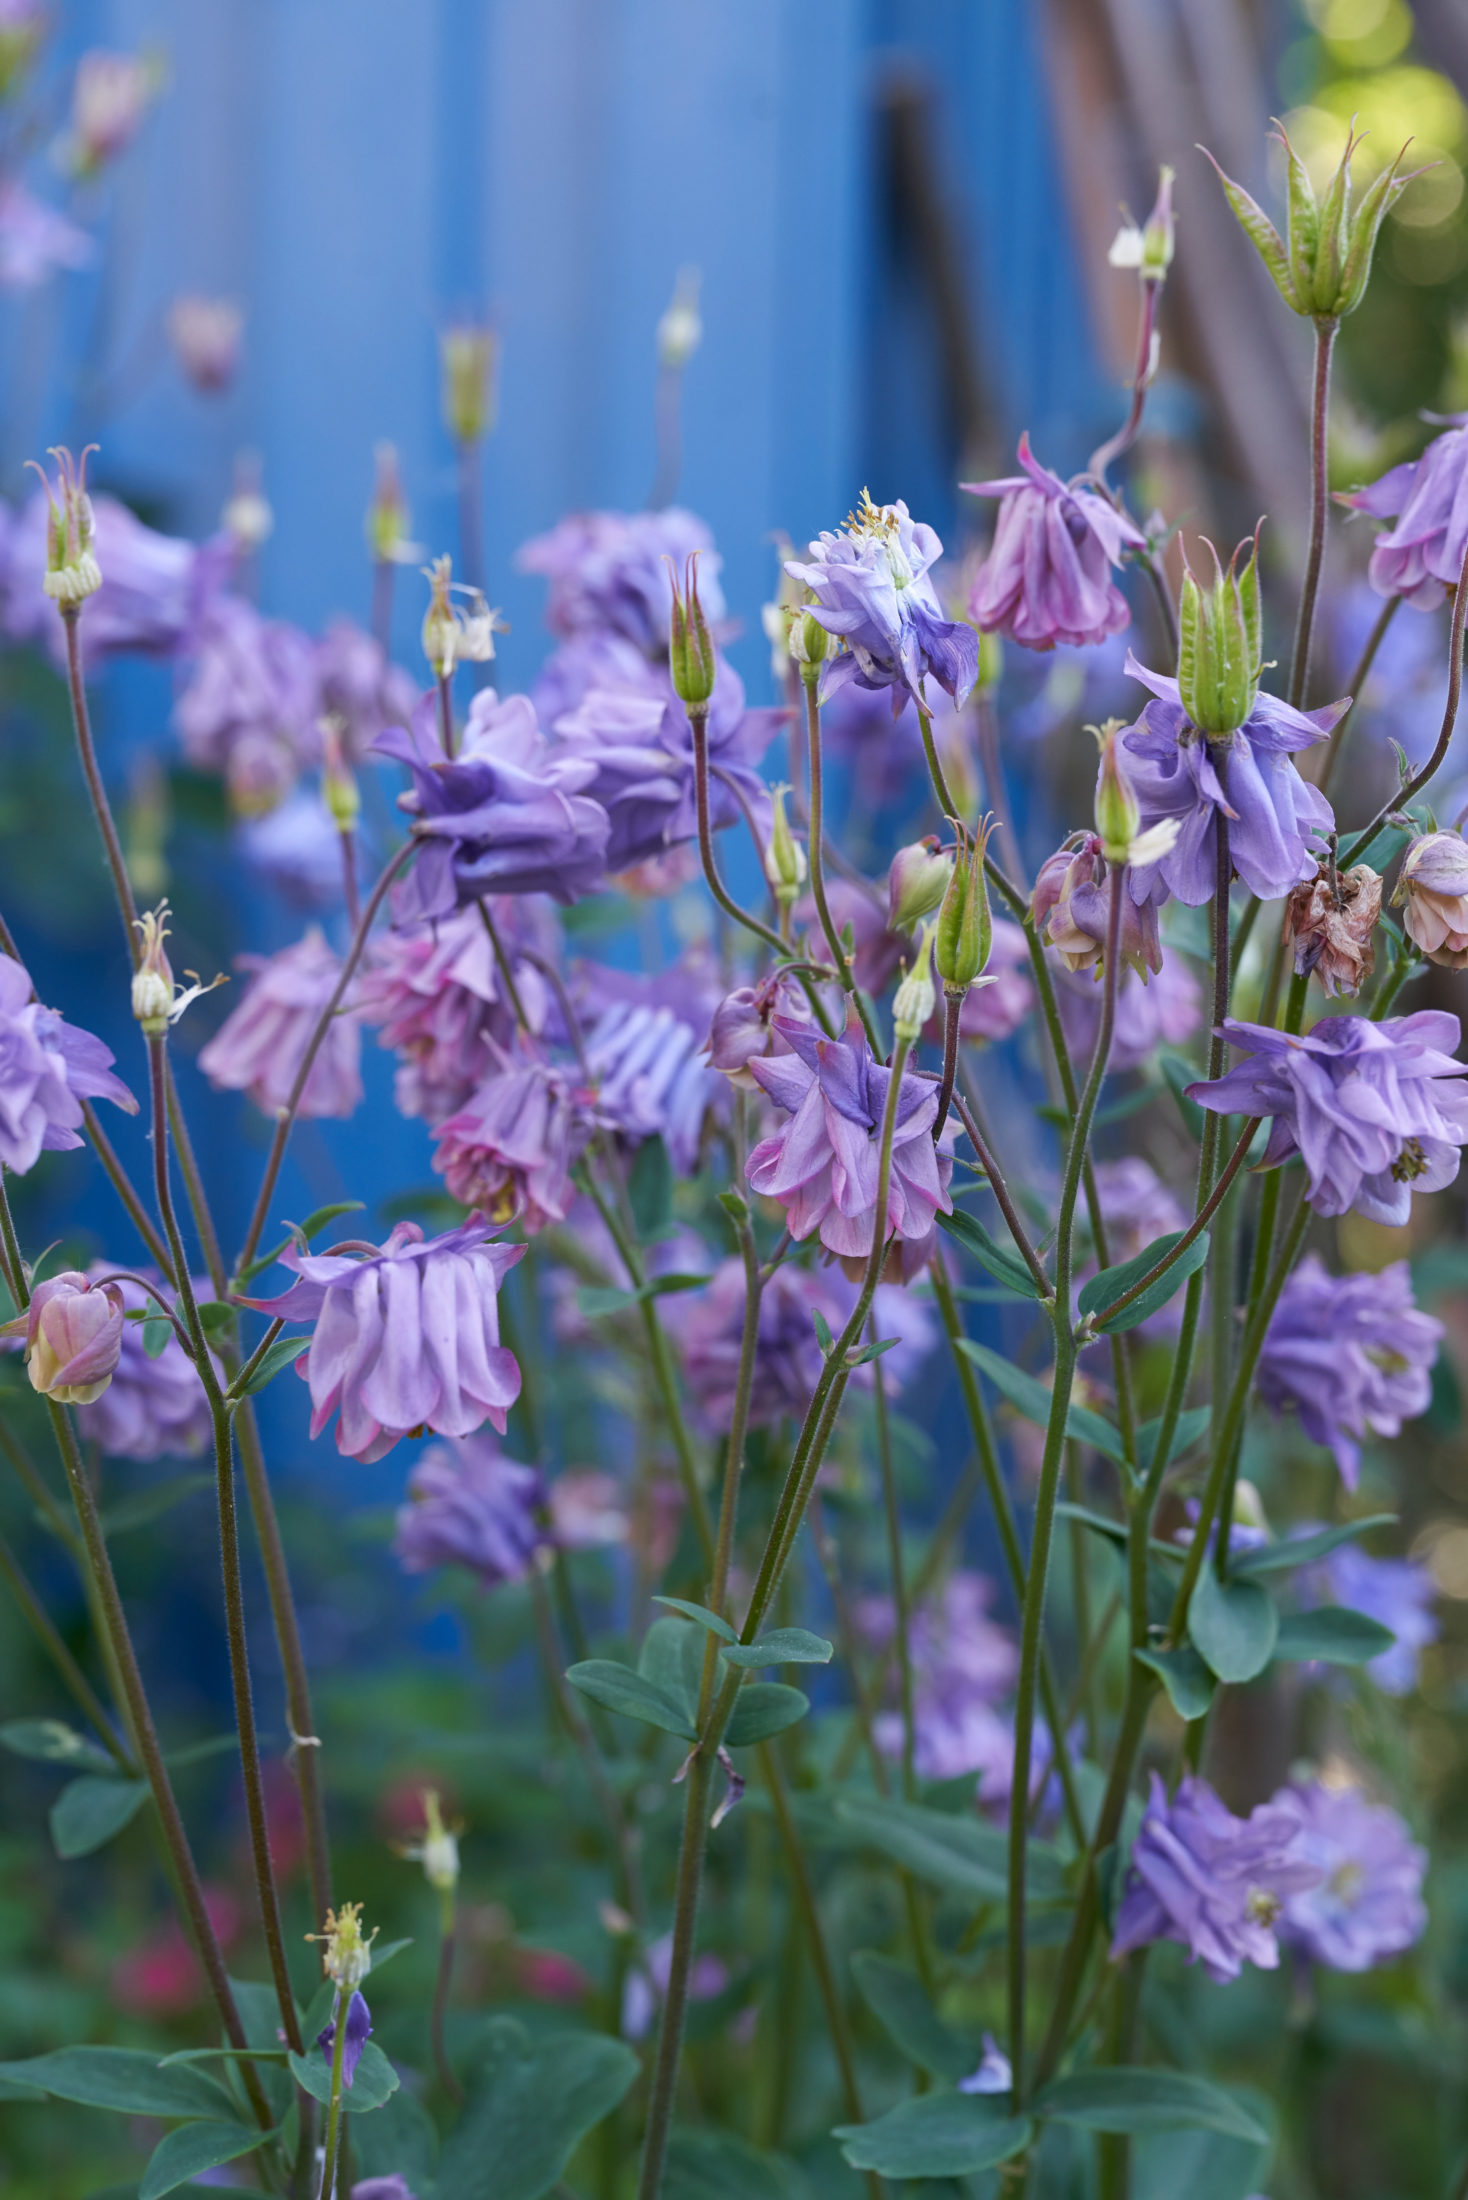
[
  {"x": 35, "y": 239},
  {"x": 155, "y": 1406},
  {"x": 1180, "y": 774},
  {"x": 822, "y": 1166},
  {"x": 435, "y": 990},
  {"x": 1352, "y": 1354},
  {"x": 609, "y": 573},
  {"x": 1367, "y": 1104},
  {"x": 110, "y": 94},
  {"x": 469, "y": 1505},
  {"x": 205, "y": 334},
  {"x": 1072, "y": 909},
  {"x": 47, "y": 1068},
  {"x": 359, "y": 2031},
  {"x": 744, "y": 1025},
  {"x": 1433, "y": 884},
  {"x": 1366, "y": 1905},
  {"x": 455, "y": 634},
  {"x": 388, "y": 518},
  {"x": 873, "y": 590},
  {"x": 71, "y": 572},
  {"x": 248, "y": 518},
  {"x": 1399, "y": 1592},
  {"x": 406, "y": 1336},
  {"x": 437, "y": 1849},
  {"x": 1212, "y": 1881},
  {"x": 1149, "y": 249},
  {"x": 680, "y": 331},
  {"x": 1329, "y": 921},
  {"x": 508, "y": 815},
  {"x": 1047, "y": 578},
  {"x": 348, "y": 1956},
  {"x": 510, "y": 1149},
  {"x": 260, "y": 1046},
  {"x": 73, "y": 1337},
  {"x": 1421, "y": 557}
]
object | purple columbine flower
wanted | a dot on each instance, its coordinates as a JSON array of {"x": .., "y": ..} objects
[
  {"x": 1352, "y": 1354},
  {"x": 1421, "y": 557},
  {"x": 1367, "y": 1105},
  {"x": 260, "y": 1045},
  {"x": 964, "y": 1662},
  {"x": 435, "y": 990},
  {"x": 357, "y": 686},
  {"x": 249, "y": 709},
  {"x": 1047, "y": 578},
  {"x": 47, "y": 1068},
  {"x": 1213, "y": 1882},
  {"x": 874, "y": 592},
  {"x": 995, "y": 2073},
  {"x": 1151, "y": 1012},
  {"x": 651, "y": 1077},
  {"x": 630, "y": 728},
  {"x": 509, "y": 814},
  {"x": 1275, "y": 817},
  {"x": 510, "y": 1150},
  {"x": 155, "y": 588},
  {"x": 152, "y": 1408},
  {"x": 359, "y": 2031},
  {"x": 468, "y": 1505},
  {"x": 35, "y": 239},
  {"x": 297, "y": 849},
  {"x": 407, "y": 1336},
  {"x": 1366, "y": 1905},
  {"x": 742, "y": 1026},
  {"x": 1072, "y": 911},
  {"x": 1400, "y": 1592},
  {"x": 822, "y": 1165},
  {"x": 608, "y": 573}
]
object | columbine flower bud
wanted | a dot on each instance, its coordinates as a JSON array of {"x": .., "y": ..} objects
[
  {"x": 388, "y": 517},
  {"x": 1072, "y": 911},
  {"x": 21, "y": 33},
  {"x": 1118, "y": 814},
  {"x": 1320, "y": 268},
  {"x": 73, "y": 1333},
  {"x": 338, "y": 782},
  {"x": 785, "y": 865},
  {"x": 776, "y": 617},
  {"x": 964, "y": 928},
  {"x": 110, "y": 94},
  {"x": 438, "y": 1850},
  {"x": 1149, "y": 249},
  {"x": 916, "y": 998},
  {"x": 916, "y": 882},
  {"x": 157, "y": 1000},
  {"x": 247, "y": 515},
  {"x": 1329, "y": 920},
  {"x": 467, "y": 354},
  {"x": 692, "y": 659},
  {"x": 810, "y": 644},
  {"x": 72, "y": 572},
  {"x": 680, "y": 331},
  {"x": 1220, "y": 650},
  {"x": 205, "y": 334},
  {"x": 1432, "y": 885},
  {"x": 449, "y": 633},
  {"x": 348, "y": 1956}
]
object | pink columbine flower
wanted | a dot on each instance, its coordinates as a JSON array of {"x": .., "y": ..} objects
[
  {"x": 1047, "y": 578},
  {"x": 511, "y": 1148},
  {"x": 73, "y": 1337},
  {"x": 259, "y": 1047}
]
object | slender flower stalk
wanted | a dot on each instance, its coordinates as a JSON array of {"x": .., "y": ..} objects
[
  {"x": 332, "y": 2156},
  {"x": 1002, "y": 1194},
  {"x": 839, "y": 957},
  {"x": 1355, "y": 684},
  {"x": 1326, "y": 327},
  {"x": 1419, "y": 780}
]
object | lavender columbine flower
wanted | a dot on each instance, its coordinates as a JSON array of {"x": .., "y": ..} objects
[
  {"x": 743, "y": 1025},
  {"x": 383, "y": 2188},
  {"x": 1047, "y": 578},
  {"x": 35, "y": 239},
  {"x": 1352, "y": 1354},
  {"x": 1367, "y": 1903},
  {"x": 359, "y": 2031},
  {"x": 608, "y": 573},
  {"x": 407, "y": 1336},
  {"x": 249, "y": 709},
  {"x": 822, "y": 1165},
  {"x": 1421, "y": 557},
  {"x": 508, "y": 815},
  {"x": 873, "y": 591},
  {"x": 297, "y": 849},
  {"x": 1400, "y": 1592},
  {"x": 1367, "y": 1105},
  {"x": 73, "y": 1333},
  {"x": 651, "y": 1078},
  {"x": 154, "y": 1407},
  {"x": 259, "y": 1047},
  {"x": 358, "y": 687},
  {"x": 995, "y": 2074},
  {"x": 468, "y": 1505},
  {"x": 47, "y": 1068},
  {"x": 1274, "y": 815},
  {"x": 436, "y": 991},
  {"x": 510, "y": 1150},
  {"x": 1213, "y": 1882}
]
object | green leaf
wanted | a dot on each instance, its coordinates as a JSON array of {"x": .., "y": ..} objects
[
  {"x": 1031, "y": 1398},
  {"x": 52, "y": 1742},
  {"x": 672, "y": 1660},
  {"x": 1126, "y": 2099},
  {"x": 322, "y": 1215},
  {"x": 1202, "y": 2165},
  {"x": 781, "y": 1646},
  {"x": 650, "y": 1191},
  {"x": 180, "y": 2157},
  {"x": 1183, "y": 1674},
  {"x": 145, "y": 1506},
  {"x": 89, "y": 1811},
  {"x": 899, "y": 2000},
  {"x": 399, "y": 2139},
  {"x": 867, "y": 1352},
  {"x": 715, "y": 2165},
  {"x": 1115, "y": 1531},
  {"x": 125, "y": 2078},
  {"x": 374, "y": 2079},
  {"x": 283, "y": 1353},
  {"x": 1332, "y": 1633},
  {"x": 1179, "y": 1073},
  {"x": 761, "y": 1709},
  {"x": 158, "y": 1335},
  {"x": 529, "y": 2109},
  {"x": 617, "y": 1688},
  {"x": 1190, "y": 1427},
  {"x": 701, "y": 1617},
  {"x": 1005, "y": 1267},
  {"x": 1233, "y": 1624},
  {"x": 216, "y": 1317},
  {"x": 1303, "y": 1550},
  {"x": 823, "y": 1332},
  {"x": 596, "y": 1300},
  {"x": 938, "y": 2135},
  {"x": 1103, "y": 1290},
  {"x": 960, "y": 1853}
]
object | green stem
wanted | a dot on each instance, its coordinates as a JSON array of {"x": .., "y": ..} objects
[
  {"x": 334, "y": 2112},
  {"x": 439, "y": 2018},
  {"x": 901, "y": 1615},
  {"x": 839, "y": 955},
  {"x": 1325, "y": 335},
  {"x": 82, "y": 1693},
  {"x": 1355, "y": 684}
]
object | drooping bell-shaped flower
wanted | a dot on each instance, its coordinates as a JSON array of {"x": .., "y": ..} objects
[
  {"x": 47, "y": 1068},
  {"x": 1047, "y": 577},
  {"x": 1432, "y": 890}
]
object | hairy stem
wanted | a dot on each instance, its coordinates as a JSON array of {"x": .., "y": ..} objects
[
  {"x": 1325, "y": 334},
  {"x": 838, "y": 953}
]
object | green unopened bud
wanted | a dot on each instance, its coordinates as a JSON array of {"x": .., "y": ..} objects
[
  {"x": 916, "y": 998},
  {"x": 388, "y": 517},
  {"x": 1149, "y": 249},
  {"x": 437, "y": 1849},
  {"x": 467, "y": 355},
  {"x": 916, "y": 883},
  {"x": 964, "y": 931},
  {"x": 810, "y": 643},
  {"x": 72, "y": 572},
  {"x": 338, "y": 782},
  {"x": 692, "y": 659},
  {"x": 1321, "y": 266},
  {"x": 1118, "y": 814},
  {"x": 1220, "y": 644},
  {"x": 784, "y": 857}
]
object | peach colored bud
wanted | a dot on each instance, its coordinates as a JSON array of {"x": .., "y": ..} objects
[
  {"x": 1329, "y": 926},
  {"x": 1433, "y": 886}
]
